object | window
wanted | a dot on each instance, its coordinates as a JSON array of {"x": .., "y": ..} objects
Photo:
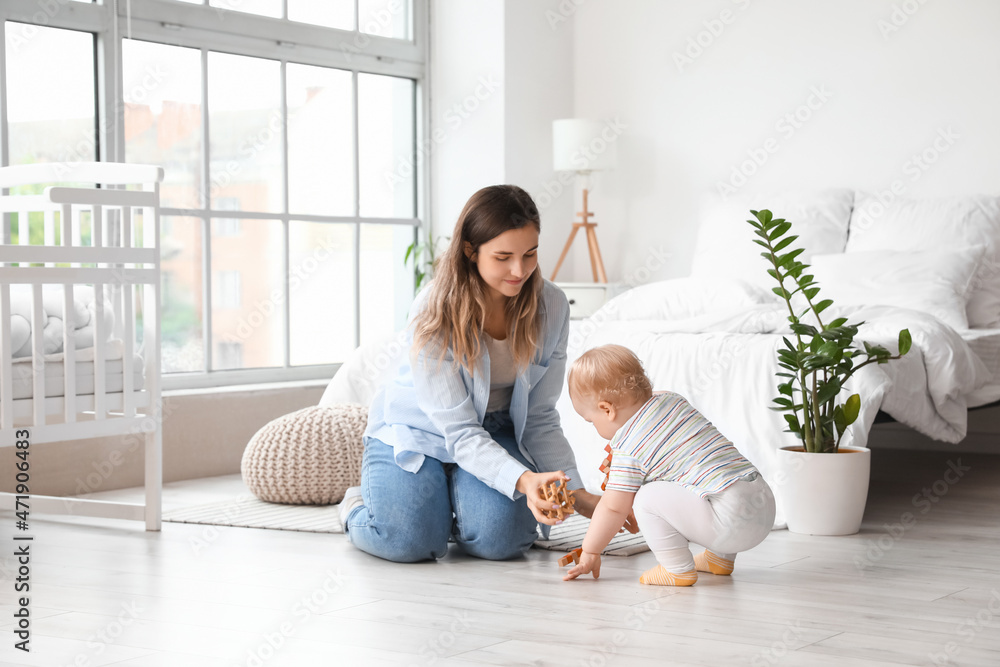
[
  {"x": 230, "y": 354},
  {"x": 228, "y": 294},
  {"x": 50, "y": 98},
  {"x": 287, "y": 130},
  {"x": 227, "y": 226}
]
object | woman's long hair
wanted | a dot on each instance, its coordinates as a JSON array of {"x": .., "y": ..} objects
[{"x": 456, "y": 306}]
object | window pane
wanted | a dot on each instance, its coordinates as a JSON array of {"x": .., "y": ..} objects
[
  {"x": 162, "y": 92},
  {"x": 320, "y": 141},
  {"x": 383, "y": 273},
  {"x": 245, "y": 131},
  {"x": 247, "y": 295},
  {"x": 386, "y": 140},
  {"x": 259, "y": 7},
  {"x": 321, "y": 292},
  {"x": 182, "y": 346},
  {"x": 386, "y": 18},
  {"x": 51, "y": 106},
  {"x": 329, "y": 13}
]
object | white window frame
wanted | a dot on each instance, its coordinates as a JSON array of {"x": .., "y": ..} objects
[{"x": 199, "y": 26}]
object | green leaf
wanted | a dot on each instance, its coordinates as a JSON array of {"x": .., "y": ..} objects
[
  {"x": 879, "y": 351},
  {"x": 790, "y": 256},
  {"x": 784, "y": 402},
  {"x": 838, "y": 419},
  {"x": 811, "y": 292},
  {"x": 852, "y": 408},
  {"x": 764, "y": 216},
  {"x": 830, "y": 349},
  {"x": 782, "y": 292},
  {"x": 804, "y": 329},
  {"x": 762, "y": 244},
  {"x": 840, "y": 321},
  {"x": 905, "y": 341},
  {"x": 409, "y": 250},
  {"x": 793, "y": 423},
  {"x": 823, "y": 305},
  {"x": 779, "y": 230},
  {"x": 828, "y": 390},
  {"x": 784, "y": 243}
]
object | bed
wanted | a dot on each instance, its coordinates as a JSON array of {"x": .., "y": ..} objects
[
  {"x": 79, "y": 318},
  {"x": 928, "y": 265}
]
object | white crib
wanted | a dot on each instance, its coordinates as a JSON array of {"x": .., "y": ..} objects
[{"x": 101, "y": 249}]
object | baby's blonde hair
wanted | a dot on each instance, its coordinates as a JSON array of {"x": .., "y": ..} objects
[{"x": 610, "y": 373}]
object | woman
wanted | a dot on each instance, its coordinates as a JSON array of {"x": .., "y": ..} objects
[{"x": 460, "y": 441}]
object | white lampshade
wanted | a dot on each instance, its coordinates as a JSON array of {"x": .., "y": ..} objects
[{"x": 578, "y": 145}]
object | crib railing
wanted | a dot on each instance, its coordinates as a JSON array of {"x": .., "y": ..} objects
[{"x": 99, "y": 246}]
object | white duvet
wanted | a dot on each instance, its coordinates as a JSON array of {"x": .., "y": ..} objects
[
  {"x": 714, "y": 341},
  {"x": 81, "y": 319}
]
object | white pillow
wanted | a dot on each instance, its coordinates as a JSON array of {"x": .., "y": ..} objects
[
  {"x": 366, "y": 370},
  {"x": 681, "y": 298},
  {"x": 934, "y": 281},
  {"x": 937, "y": 224},
  {"x": 725, "y": 244}
]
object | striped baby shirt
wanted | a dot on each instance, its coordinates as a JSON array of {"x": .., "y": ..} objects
[{"x": 668, "y": 440}]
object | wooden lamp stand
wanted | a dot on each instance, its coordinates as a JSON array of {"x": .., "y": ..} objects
[{"x": 596, "y": 263}]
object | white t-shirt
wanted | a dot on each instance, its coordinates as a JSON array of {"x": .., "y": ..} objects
[{"x": 502, "y": 374}]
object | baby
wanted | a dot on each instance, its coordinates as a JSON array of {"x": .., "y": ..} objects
[{"x": 681, "y": 477}]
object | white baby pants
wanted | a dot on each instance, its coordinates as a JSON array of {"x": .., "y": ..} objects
[{"x": 733, "y": 520}]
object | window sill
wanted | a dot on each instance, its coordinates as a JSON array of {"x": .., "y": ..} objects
[{"x": 193, "y": 384}]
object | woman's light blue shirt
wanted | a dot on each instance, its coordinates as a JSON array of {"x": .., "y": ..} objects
[{"x": 437, "y": 410}]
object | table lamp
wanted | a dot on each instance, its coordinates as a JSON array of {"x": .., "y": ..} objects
[{"x": 577, "y": 145}]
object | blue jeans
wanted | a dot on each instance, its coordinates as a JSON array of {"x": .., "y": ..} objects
[{"x": 409, "y": 517}]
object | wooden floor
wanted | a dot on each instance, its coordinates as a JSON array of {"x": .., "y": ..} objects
[{"x": 108, "y": 593}]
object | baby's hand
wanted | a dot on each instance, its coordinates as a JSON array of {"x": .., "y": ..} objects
[{"x": 588, "y": 563}]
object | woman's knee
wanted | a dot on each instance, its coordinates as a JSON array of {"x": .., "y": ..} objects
[
  {"x": 503, "y": 537},
  {"x": 498, "y": 548},
  {"x": 403, "y": 539}
]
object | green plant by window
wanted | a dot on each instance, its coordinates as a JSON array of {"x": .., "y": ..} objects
[
  {"x": 424, "y": 256},
  {"x": 821, "y": 360}
]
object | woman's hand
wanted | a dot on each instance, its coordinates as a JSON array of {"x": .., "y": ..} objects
[
  {"x": 532, "y": 484},
  {"x": 586, "y": 503},
  {"x": 588, "y": 563}
]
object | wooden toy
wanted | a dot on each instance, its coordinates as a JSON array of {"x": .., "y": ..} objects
[
  {"x": 557, "y": 493},
  {"x": 572, "y": 557},
  {"x": 606, "y": 466}
]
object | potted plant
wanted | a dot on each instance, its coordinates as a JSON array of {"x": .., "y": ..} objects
[
  {"x": 824, "y": 486},
  {"x": 424, "y": 256}
]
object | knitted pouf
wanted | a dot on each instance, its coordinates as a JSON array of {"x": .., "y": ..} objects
[{"x": 308, "y": 457}]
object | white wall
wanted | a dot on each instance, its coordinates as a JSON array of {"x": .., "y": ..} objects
[
  {"x": 891, "y": 93},
  {"x": 466, "y": 104},
  {"x": 539, "y": 64},
  {"x": 501, "y": 72}
]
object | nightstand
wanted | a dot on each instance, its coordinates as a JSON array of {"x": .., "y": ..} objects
[{"x": 586, "y": 298}]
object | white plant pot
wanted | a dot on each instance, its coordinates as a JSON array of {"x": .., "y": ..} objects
[{"x": 824, "y": 494}]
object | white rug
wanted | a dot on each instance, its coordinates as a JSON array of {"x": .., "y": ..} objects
[{"x": 251, "y": 512}]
